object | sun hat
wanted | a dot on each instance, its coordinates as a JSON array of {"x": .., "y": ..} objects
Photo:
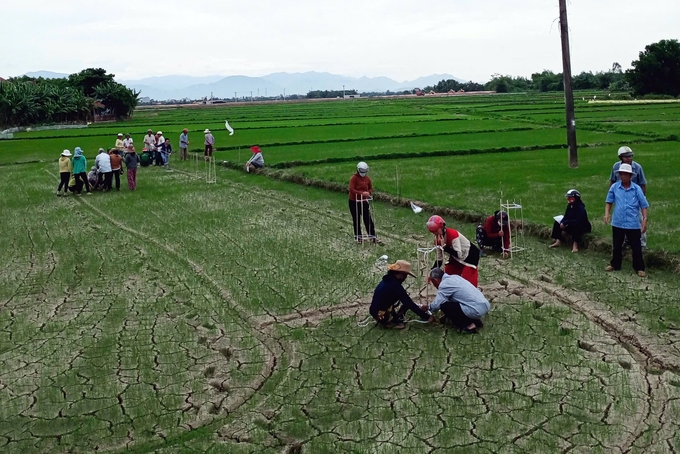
[
  {"x": 255, "y": 149},
  {"x": 120, "y": 134},
  {"x": 625, "y": 152},
  {"x": 149, "y": 130},
  {"x": 127, "y": 135},
  {"x": 185, "y": 130},
  {"x": 626, "y": 168},
  {"x": 159, "y": 133},
  {"x": 66, "y": 153},
  {"x": 206, "y": 131},
  {"x": 402, "y": 266},
  {"x": 93, "y": 168}
]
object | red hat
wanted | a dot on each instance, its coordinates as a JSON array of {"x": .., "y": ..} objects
[
  {"x": 435, "y": 223},
  {"x": 255, "y": 149}
]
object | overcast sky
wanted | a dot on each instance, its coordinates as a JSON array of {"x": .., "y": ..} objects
[{"x": 402, "y": 39}]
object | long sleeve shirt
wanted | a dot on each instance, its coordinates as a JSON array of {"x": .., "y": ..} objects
[
  {"x": 103, "y": 162},
  {"x": 455, "y": 289},
  {"x": 493, "y": 230},
  {"x": 576, "y": 218},
  {"x": 184, "y": 140},
  {"x": 358, "y": 185},
  {"x": 209, "y": 139},
  {"x": 256, "y": 159},
  {"x": 65, "y": 164},
  {"x": 388, "y": 292}
]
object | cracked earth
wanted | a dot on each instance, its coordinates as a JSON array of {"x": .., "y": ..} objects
[{"x": 223, "y": 320}]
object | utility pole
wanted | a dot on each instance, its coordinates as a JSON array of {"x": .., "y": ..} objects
[{"x": 568, "y": 92}]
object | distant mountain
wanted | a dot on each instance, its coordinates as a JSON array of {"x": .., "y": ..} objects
[
  {"x": 171, "y": 82},
  {"x": 170, "y": 87},
  {"x": 47, "y": 75}
]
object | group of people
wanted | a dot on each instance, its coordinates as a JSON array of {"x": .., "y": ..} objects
[
  {"x": 458, "y": 297},
  {"x": 108, "y": 165},
  {"x": 74, "y": 176}
]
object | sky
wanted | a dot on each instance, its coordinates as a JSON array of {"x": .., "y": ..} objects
[{"x": 400, "y": 39}]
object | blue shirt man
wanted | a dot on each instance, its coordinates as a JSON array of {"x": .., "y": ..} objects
[{"x": 628, "y": 200}]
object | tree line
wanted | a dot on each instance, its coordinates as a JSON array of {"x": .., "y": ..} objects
[
  {"x": 26, "y": 101},
  {"x": 655, "y": 72}
]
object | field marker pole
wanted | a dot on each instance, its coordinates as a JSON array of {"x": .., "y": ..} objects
[{"x": 568, "y": 92}]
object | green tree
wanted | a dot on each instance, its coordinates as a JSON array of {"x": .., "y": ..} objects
[
  {"x": 657, "y": 70},
  {"x": 88, "y": 79}
]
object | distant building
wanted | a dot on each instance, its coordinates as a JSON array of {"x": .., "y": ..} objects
[
  {"x": 352, "y": 96},
  {"x": 145, "y": 100}
]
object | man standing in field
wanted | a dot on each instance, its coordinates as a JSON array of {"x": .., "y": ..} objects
[
  {"x": 150, "y": 143},
  {"x": 461, "y": 302},
  {"x": 628, "y": 200},
  {"x": 183, "y": 144},
  {"x": 128, "y": 142},
  {"x": 209, "y": 144},
  {"x": 626, "y": 157}
]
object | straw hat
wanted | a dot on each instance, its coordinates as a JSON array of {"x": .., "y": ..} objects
[{"x": 402, "y": 266}]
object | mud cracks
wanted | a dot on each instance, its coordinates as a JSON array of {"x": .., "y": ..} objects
[{"x": 195, "y": 340}]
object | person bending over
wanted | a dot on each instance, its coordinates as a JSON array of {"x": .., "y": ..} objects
[
  {"x": 461, "y": 302},
  {"x": 391, "y": 302},
  {"x": 463, "y": 255}
]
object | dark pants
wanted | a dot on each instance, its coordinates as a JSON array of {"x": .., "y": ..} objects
[
  {"x": 107, "y": 180},
  {"x": 159, "y": 159},
  {"x": 390, "y": 316},
  {"x": 116, "y": 175},
  {"x": 65, "y": 176},
  {"x": 482, "y": 240},
  {"x": 633, "y": 237},
  {"x": 455, "y": 314},
  {"x": 208, "y": 150},
  {"x": 81, "y": 179},
  {"x": 575, "y": 233},
  {"x": 359, "y": 210}
]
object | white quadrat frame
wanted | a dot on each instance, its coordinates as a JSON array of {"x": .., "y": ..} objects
[
  {"x": 425, "y": 260},
  {"x": 515, "y": 225},
  {"x": 364, "y": 237}
]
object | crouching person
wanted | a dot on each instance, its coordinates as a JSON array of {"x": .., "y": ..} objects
[
  {"x": 390, "y": 300},
  {"x": 461, "y": 302}
]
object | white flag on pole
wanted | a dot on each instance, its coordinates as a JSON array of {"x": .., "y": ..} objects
[{"x": 229, "y": 128}]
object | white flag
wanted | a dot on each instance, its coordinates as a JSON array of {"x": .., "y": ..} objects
[
  {"x": 229, "y": 128},
  {"x": 416, "y": 209}
]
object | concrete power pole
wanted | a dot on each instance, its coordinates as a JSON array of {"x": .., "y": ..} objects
[{"x": 568, "y": 92}]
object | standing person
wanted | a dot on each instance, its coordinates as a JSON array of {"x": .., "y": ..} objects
[
  {"x": 131, "y": 162},
  {"x": 385, "y": 307},
  {"x": 120, "y": 145},
  {"x": 626, "y": 157},
  {"x": 360, "y": 190},
  {"x": 166, "y": 151},
  {"x": 116, "y": 166},
  {"x": 150, "y": 143},
  {"x": 463, "y": 255},
  {"x": 494, "y": 233},
  {"x": 65, "y": 169},
  {"x": 209, "y": 144},
  {"x": 128, "y": 142},
  {"x": 575, "y": 221},
  {"x": 80, "y": 171},
  {"x": 103, "y": 164},
  {"x": 183, "y": 144},
  {"x": 628, "y": 200},
  {"x": 460, "y": 301},
  {"x": 159, "y": 143},
  {"x": 256, "y": 161}
]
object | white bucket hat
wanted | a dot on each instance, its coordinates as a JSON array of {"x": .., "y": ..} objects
[
  {"x": 206, "y": 131},
  {"x": 66, "y": 153},
  {"x": 626, "y": 168}
]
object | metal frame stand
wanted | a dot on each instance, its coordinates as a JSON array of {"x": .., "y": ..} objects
[
  {"x": 210, "y": 170},
  {"x": 424, "y": 267},
  {"x": 516, "y": 228},
  {"x": 359, "y": 207}
]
